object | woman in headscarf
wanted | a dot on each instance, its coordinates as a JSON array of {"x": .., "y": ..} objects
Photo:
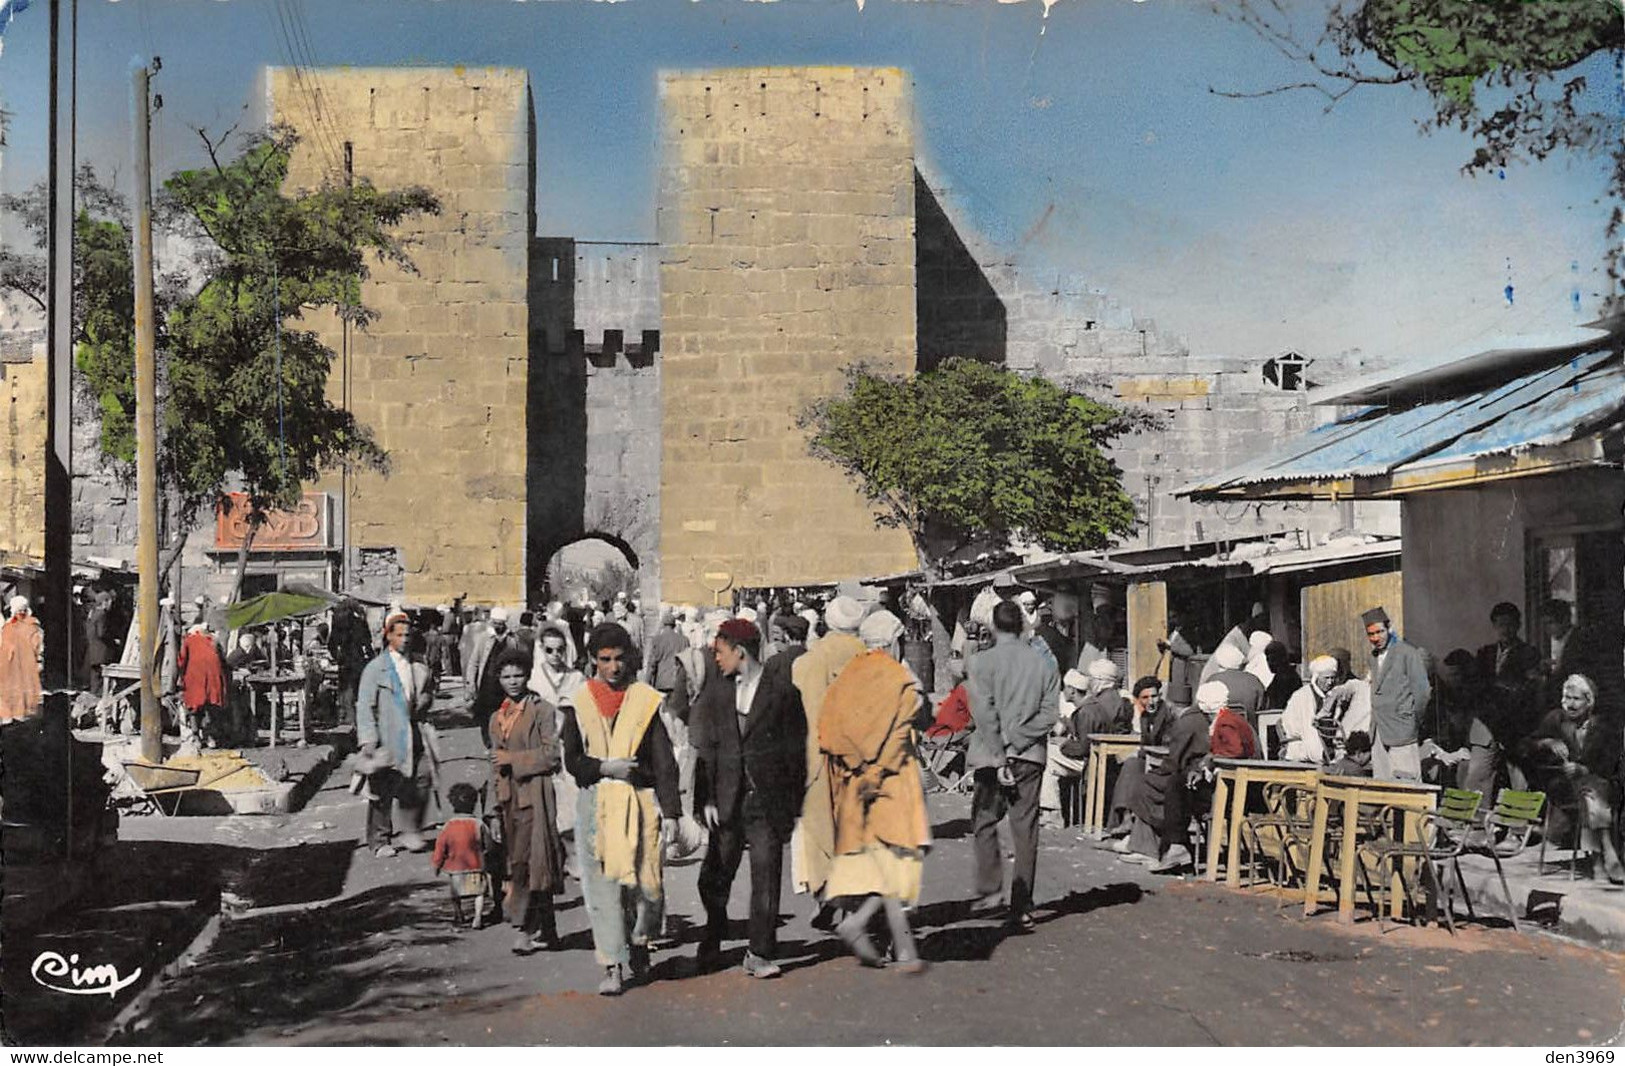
[
  {"x": 865, "y": 730},
  {"x": 22, "y": 645},
  {"x": 524, "y": 759}
]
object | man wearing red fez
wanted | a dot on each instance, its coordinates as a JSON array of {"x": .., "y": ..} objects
[
  {"x": 750, "y": 739},
  {"x": 1399, "y": 693}
]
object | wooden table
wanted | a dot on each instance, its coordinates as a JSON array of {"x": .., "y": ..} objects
[
  {"x": 1230, "y": 790},
  {"x": 1102, "y": 746},
  {"x": 1412, "y": 797},
  {"x": 280, "y": 689}
]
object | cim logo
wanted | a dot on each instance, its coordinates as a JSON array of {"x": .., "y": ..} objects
[{"x": 51, "y": 970}]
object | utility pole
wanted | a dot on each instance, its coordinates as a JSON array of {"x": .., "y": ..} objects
[
  {"x": 146, "y": 423},
  {"x": 55, "y": 602}
]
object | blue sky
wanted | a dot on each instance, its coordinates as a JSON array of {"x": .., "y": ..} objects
[{"x": 1247, "y": 226}]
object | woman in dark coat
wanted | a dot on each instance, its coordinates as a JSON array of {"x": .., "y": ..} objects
[
  {"x": 1571, "y": 758},
  {"x": 524, "y": 757}
]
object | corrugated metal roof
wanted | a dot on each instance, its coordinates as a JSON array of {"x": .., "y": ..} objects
[
  {"x": 1576, "y": 398},
  {"x": 1504, "y": 359}
]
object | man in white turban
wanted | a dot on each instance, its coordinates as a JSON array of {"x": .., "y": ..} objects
[
  {"x": 22, "y": 649},
  {"x": 813, "y": 847},
  {"x": 1246, "y": 691},
  {"x": 1068, "y": 752}
]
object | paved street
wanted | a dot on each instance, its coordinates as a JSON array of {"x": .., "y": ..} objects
[{"x": 1118, "y": 956}]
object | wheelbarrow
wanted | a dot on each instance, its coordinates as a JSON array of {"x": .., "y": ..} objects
[{"x": 162, "y": 782}]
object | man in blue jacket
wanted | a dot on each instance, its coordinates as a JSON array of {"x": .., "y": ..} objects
[
  {"x": 392, "y": 693},
  {"x": 1014, "y": 696},
  {"x": 1399, "y": 693}
]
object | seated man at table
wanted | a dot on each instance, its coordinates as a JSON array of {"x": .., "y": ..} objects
[
  {"x": 1151, "y": 719},
  {"x": 1459, "y": 748},
  {"x": 1068, "y": 753},
  {"x": 1100, "y": 708},
  {"x": 1320, "y": 716},
  {"x": 1172, "y": 788}
]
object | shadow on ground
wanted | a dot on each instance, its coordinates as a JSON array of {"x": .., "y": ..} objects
[
  {"x": 277, "y": 973},
  {"x": 146, "y": 902}
]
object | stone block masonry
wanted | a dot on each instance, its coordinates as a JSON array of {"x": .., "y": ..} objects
[
  {"x": 595, "y": 402},
  {"x": 787, "y": 253},
  {"x": 441, "y": 376},
  {"x": 22, "y": 469}
]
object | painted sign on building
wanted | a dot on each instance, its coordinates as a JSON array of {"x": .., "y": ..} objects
[{"x": 305, "y": 528}]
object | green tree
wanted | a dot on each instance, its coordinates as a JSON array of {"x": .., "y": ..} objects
[
  {"x": 970, "y": 451},
  {"x": 1502, "y": 71},
  {"x": 243, "y": 388}
]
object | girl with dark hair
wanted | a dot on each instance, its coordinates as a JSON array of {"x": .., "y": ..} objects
[{"x": 524, "y": 757}]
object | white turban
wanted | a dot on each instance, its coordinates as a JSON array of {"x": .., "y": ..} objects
[
  {"x": 1322, "y": 665},
  {"x": 880, "y": 629},
  {"x": 1073, "y": 679},
  {"x": 1104, "y": 670},
  {"x": 812, "y": 619},
  {"x": 747, "y": 613},
  {"x": 499, "y": 614},
  {"x": 19, "y": 604},
  {"x": 844, "y": 613},
  {"x": 1027, "y": 599},
  {"x": 1229, "y": 657},
  {"x": 1257, "y": 643},
  {"x": 1212, "y": 697}
]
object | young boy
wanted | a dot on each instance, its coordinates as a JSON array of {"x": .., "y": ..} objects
[
  {"x": 460, "y": 852},
  {"x": 1356, "y": 760}
]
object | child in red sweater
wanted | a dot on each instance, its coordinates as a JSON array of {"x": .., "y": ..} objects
[{"x": 459, "y": 851}]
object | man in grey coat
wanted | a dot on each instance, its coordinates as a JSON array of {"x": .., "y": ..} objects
[
  {"x": 1014, "y": 695},
  {"x": 1399, "y": 693}
]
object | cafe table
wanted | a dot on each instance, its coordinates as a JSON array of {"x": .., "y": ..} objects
[
  {"x": 283, "y": 689},
  {"x": 1411, "y": 798},
  {"x": 1102, "y": 748},
  {"x": 1229, "y": 810}
]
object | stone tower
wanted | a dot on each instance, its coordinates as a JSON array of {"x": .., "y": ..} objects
[
  {"x": 441, "y": 375},
  {"x": 787, "y": 253}
]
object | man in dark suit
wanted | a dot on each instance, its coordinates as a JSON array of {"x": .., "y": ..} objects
[
  {"x": 1510, "y": 669},
  {"x": 750, "y": 739}
]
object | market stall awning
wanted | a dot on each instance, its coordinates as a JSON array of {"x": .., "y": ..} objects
[
  {"x": 290, "y": 601},
  {"x": 1563, "y": 410}
]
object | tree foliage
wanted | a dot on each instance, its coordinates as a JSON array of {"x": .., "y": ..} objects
[
  {"x": 243, "y": 389},
  {"x": 247, "y": 387},
  {"x": 971, "y": 451},
  {"x": 1501, "y": 71}
]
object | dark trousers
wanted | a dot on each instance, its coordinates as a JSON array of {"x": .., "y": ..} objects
[
  {"x": 748, "y": 829},
  {"x": 992, "y": 802},
  {"x": 1176, "y": 812},
  {"x": 349, "y": 686},
  {"x": 389, "y": 785}
]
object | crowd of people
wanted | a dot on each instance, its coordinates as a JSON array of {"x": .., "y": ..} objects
[
  {"x": 1508, "y": 716},
  {"x": 719, "y": 727},
  {"x": 769, "y": 731}
]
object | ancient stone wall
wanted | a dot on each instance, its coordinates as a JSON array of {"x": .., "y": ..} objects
[
  {"x": 1217, "y": 411},
  {"x": 787, "y": 253},
  {"x": 595, "y": 401},
  {"x": 441, "y": 376},
  {"x": 22, "y": 452}
]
